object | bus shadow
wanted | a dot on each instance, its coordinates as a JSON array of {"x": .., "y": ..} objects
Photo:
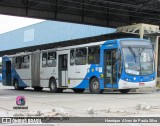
[{"x": 69, "y": 91}]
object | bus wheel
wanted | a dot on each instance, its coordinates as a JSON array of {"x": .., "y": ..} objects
[
  {"x": 16, "y": 85},
  {"x": 78, "y": 90},
  {"x": 53, "y": 86},
  {"x": 95, "y": 86},
  {"x": 38, "y": 88},
  {"x": 124, "y": 91}
]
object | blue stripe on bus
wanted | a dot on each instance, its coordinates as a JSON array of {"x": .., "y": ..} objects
[{"x": 85, "y": 83}]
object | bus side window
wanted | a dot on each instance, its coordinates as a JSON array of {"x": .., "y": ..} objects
[
  {"x": 72, "y": 57},
  {"x": 14, "y": 62},
  {"x": 25, "y": 64},
  {"x": 44, "y": 59},
  {"x": 18, "y": 62},
  {"x": 94, "y": 55},
  {"x": 51, "y": 59},
  {"x": 81, "y": 55}
]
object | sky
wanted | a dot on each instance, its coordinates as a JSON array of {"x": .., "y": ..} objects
[{"x": 9, "y": 23}]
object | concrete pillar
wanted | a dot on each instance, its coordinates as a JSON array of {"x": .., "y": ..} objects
[{"x": 141, "y": 31}]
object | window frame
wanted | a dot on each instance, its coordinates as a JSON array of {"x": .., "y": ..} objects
[
  {"x": 55, "y": 59},
  {"x": 44, "y": 65},
  {"x": 98, "y": 46},
  {"x": 74, "y": 56},
  {"x": 19, "y": 64},
  {"x": 23, "y": 62},
  {"x": 86, "y": 55},
  {"x": 28, "y": 58}
]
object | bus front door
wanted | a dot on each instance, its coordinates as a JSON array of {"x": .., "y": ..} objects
[
  {"x": 63, "y": 70},
  {"x": 8, "y": 73},
  {"x": 110, "y": 68}
]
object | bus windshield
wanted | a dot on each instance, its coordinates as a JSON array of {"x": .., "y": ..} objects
[{"x": 138, "y": 60}]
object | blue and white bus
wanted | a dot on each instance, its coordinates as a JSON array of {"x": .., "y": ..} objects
[{"x": 121, "y": 64}]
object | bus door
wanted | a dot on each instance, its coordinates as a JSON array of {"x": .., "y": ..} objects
[
  {"x": 110, "y": 67},
  {"x": 7, "y": 73},
  {"x": 63, "y": 70}
]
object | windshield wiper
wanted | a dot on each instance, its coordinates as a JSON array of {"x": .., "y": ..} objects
[
  {"x": 133, "y": 53},
  {"x": 140, "y": 51}
]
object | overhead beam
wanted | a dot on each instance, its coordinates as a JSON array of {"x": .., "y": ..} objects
[{"x": 108, "y": 13}]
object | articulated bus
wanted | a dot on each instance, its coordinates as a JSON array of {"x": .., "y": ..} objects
[{"x": 121, "y": 64}]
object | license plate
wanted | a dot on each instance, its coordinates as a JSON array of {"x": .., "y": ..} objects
[{"x": 141, "y": 84}]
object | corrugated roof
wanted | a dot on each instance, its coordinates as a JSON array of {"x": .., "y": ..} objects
[{"x": 48, "y": 32}]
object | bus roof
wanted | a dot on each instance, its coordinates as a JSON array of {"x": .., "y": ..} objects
[{"x": 77, "y": 46}]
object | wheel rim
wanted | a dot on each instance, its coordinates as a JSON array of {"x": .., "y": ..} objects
[
  {"x": 53, "y": 86},
  {"x": 95, "y": 85},
  {"x": 16, "y": 84}
]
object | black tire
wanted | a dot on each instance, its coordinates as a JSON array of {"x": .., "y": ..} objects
[
  {"x": 16, "y": 85},
  {"x": 60, "y": 90},
  {"x": 78, "y": 90},
  {"x": 95, "y": 86},
  {"x": 53, "y": 86},
  {"x": 38, "y": 88},
  {"x": 124, "y": 91}
]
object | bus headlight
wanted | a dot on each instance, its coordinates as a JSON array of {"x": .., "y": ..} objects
[
  {"x": 128, "y": 79},
  {"x": 152, "y": 78}
]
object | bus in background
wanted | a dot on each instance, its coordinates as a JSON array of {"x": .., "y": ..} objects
[{"x": 121, "y": 64}]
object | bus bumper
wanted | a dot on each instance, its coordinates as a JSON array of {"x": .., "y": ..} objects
[{"x": 131, "y": 85}]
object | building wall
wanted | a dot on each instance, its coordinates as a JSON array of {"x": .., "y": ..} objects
[{"x": 48, "y": 32}]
